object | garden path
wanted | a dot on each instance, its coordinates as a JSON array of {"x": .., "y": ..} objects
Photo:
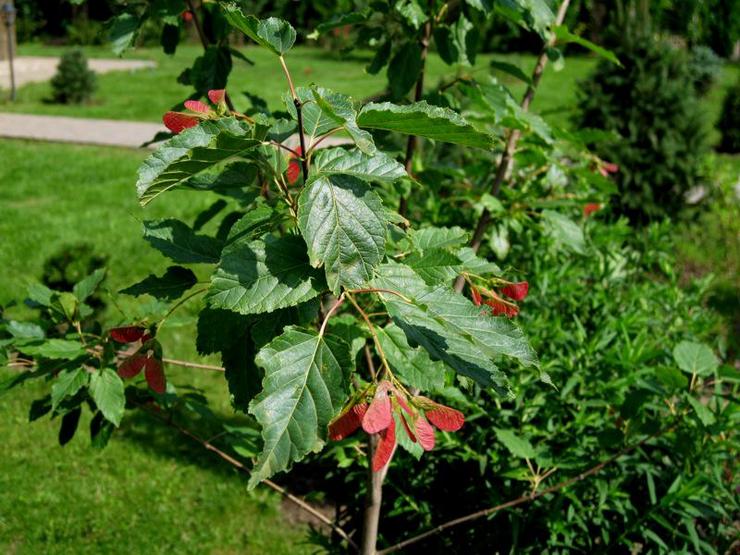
[
  {"x": 108, "y": 132},
  {"x": 77, "y": 130},
  {"x": 36, "y": 69}
]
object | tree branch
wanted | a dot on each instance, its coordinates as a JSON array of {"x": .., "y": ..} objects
[
  {"x": 524, "y": 498},
  {"x": 503, "y": 171},
  {"x": 240, "y": 466},
  {"x": 418, "y": 93}
]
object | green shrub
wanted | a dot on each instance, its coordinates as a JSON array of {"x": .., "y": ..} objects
[
  {"x": 659, "y": 141},
  {"x": 729, "y": 121},
  {"x": 74, "y": 82},
  {"x": 705, "y": 68},
  {"x": 605, "y": 325},
  {"x": 69, "y": 265}
]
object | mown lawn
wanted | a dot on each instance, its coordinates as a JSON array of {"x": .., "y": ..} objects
[
  {"x": 151, "y": 490},
  {"x": 153, "y": 91}
]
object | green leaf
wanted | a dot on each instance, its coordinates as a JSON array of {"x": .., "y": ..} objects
[
  {"x": 67, "y": 383},
  {"x": 428, "y": 238},
  {"x": 122, "y": 32},
  {"x": 435, "y": 265},
  {"x": 695, "y": 358},
  {"x": 195, "y": 158},
  {"x": 87, "y": 286},
  {"x": 423, "y": 120},
  {"x": 483, "y": 6},
  {"x": 228, "y": 333},
  {"x": 517, "y": 446},
  {"x": 260, "y": 219},
  {"x": 25, "y": 330},
  {"x": 474, "y": 264},
  {"x": 40, "y": 294},
  {"x": 404, "y": 69},
  {"x": 304, "y": 388},
  {"x": 494, "y": 105},
  {"x": 350, "y": 331},
  {"x": 180, "y": 243},
  {"x": 564, "y": 230},
  {"x": 412, "y": 365},
  {"x": 412, "y": 12},
  {"x": 702, "y": 411},
  {"x": 382, "y": 54},
  {"x": 107, "y": 390},
  {"x": 344, "y": 225},
  {"x": 512, "y": 70},
  {"x": 274, "y": 34},
  {"x": 457, "y": 43},
  {"x": 316, "y": 122},
  {"x": 323, "y": 111},
  {"x": 378, "y": 167},
  {"x": 564, "y": 36},
  {"x": 340, "y": 20},
  {"x": 263, "y": 275},
  {"x": 451, "y": 328},
  {"x": 531, "y": 14},
  {"x": 340, "y": 108},
  {"x": 175, "y": 281},
  {"x": 59, "y": 349},
  {"x": 67, "y": 430}
]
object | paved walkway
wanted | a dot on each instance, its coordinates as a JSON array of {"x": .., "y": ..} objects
[
  {"x": 107, "y": 132},
  {"x": 35, "y": 69},
  {"x": 77, "y": 130}
]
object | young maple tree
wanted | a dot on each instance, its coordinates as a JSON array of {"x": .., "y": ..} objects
[{"x": 331, "y": 311}]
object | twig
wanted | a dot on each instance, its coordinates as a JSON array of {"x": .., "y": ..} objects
[
  {"x": 389, "y": 291},
  {"x": 240, "y": 466},
  {"x": 187, "y": 364},
  {"x": 503, "y": 171},
  {"x": 332, "y": 310},
  {"x": 299, "y": 116},
  {"x": 524, "y": 498}
]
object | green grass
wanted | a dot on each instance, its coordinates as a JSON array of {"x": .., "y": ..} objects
[
  {"x": 147, "y": 96},
  {"x": 151, "y": 490}
]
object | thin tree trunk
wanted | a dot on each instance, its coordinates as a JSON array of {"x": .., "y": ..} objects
[
  {"x": 505, "y": 166},
  {"x": 373, "y": 501},
  {"x": 418, "y": 93}
]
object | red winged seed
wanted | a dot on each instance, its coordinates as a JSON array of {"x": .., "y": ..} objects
[
  {"x": 425, "y": 433},
  {"x": 499, "y": 307},
  {"x": 379, "y": 415},
  {"x": 293, "y": 172},
  {"x": 155, "y": 376},
  {"x": 128, "y": 334},
  {"x": 347, "y": 423},
  {"x": 402, "y": 402},
  {"x": 177, "y": 122},
  {"x": 197, "y": 106},
  {"x": 445, "y": 418},
  {"x": 217, "y": 96},
  {"x": 132, "y": 366},
  {"x": 409, "y": 433},
  {"x": 516, "y": 291},
  {"x": 476, "y": 296},
  {"x": 386, "y": 446},
  {"x": 590, "y": 208}
]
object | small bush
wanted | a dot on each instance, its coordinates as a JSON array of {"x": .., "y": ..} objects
[
  {"x": 705, "y": 68},
  {"x": 74, "y": 82},
  {"x": 729, "y": 121},
  {"x": 650, "y": 106}
]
